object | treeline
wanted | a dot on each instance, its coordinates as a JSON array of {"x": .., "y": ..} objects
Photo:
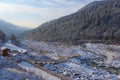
[{"x": 2, "y": 36}]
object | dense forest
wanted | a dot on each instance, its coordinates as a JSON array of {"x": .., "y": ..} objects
[{"x": 98, "y": 21}]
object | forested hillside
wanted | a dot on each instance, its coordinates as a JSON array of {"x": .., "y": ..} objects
[{"x": 98, "y": 21}]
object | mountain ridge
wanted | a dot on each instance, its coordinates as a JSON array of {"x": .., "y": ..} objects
[
  {"x": 9, "y": 28},
  {"x": 98, "y": 20}
]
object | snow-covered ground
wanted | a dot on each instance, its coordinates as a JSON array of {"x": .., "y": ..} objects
[
  {"x": 15, "y": 74},
  {"x": 13, "y": 48},
  {"x": 10, "y": 71},
  {"x": 54, "y": 50},
  {"x": 37, "y": 71},
  {"x": 96, "y": 61},
  {"x": 111, "y": 52},
  {"x": 90, "y": 61},
  {"x": 77, "y": 68}
]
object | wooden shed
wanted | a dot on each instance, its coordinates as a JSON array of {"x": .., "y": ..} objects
[{"x": 4, "y": 51}]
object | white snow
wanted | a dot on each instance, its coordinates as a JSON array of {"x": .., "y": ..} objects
[
  {"x": 37, "y": 71},
  {"x": 3, "y": 47},
  {"x": 87, "y": 66},
  {"x": 26, "y": 65},
  {"x": 54, "y": 50},
  {"x": 15, "y": 48},
  {"x": 112, "y": 52},
  {"x": 11, "y": 71}
]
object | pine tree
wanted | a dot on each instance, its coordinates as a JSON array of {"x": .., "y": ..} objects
[{"x": 14, "y": 39}]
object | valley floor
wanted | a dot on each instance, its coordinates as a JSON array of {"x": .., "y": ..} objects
[{"x": 89, "y": 61}]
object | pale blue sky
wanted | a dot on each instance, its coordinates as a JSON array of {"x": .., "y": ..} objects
[{"x": 31, "y": 13}]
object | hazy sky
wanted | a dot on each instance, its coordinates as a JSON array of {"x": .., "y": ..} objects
[{"x": 31, "y": 13}]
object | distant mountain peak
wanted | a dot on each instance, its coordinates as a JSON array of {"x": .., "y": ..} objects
[{"x": 9, "y": 28}]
